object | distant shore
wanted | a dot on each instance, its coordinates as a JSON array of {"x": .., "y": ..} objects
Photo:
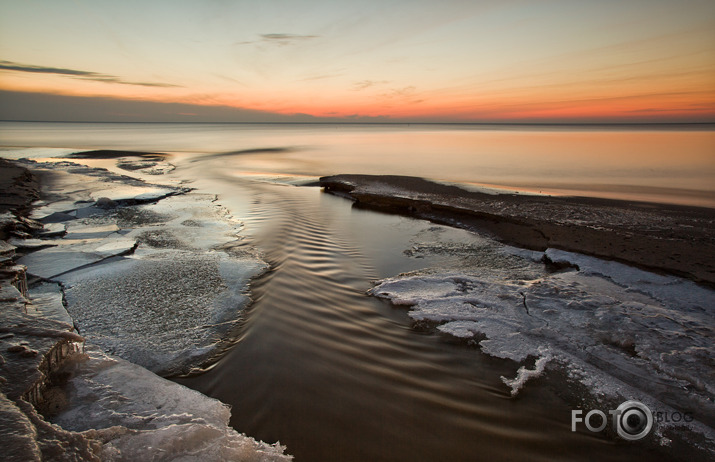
[{"x": 674, "y": 239}]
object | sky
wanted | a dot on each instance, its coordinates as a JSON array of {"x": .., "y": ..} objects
[{"x": 367, "y": 61}]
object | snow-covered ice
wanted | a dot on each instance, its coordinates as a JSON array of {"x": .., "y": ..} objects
[
  {"x": 169, "y": 305},
  {"x": 619, "y": 330},
  {"x": 158, "y": 276},
  {"x": 166, "y": 310},
  {"x": 73, "y": 254},
  {"x": 162, "y": 284}
]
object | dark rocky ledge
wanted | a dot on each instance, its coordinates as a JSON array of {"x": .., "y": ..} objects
[
  {"x": 34, "y": 347},
  {"x": 674, "y": 239}
]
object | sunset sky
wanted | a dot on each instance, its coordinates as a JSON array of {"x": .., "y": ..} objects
[{"x": 411, "y": 60}]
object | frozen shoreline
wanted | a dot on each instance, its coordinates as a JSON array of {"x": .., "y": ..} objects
[
  {"x": 679, "y": 240},
  {"x": 612, "y": 330},
  {"x": 120, "y": 255},
  {"x": 620, "y": 332},
  {"x": 537, "y": 323}
]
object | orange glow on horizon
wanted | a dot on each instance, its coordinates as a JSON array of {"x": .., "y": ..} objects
[
  {"x": 655, "y": 106},
  {"x": 453, "y": 61}
]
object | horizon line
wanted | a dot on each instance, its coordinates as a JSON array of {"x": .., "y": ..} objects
[{"x": 347, "y": 122}]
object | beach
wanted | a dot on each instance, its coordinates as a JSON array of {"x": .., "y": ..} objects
[
  {"x": 357, "y": 231},
  {"x": 67, "y": 396},
  {"x": 268, "y": 297},
  {"x": 668, "y": 238}
]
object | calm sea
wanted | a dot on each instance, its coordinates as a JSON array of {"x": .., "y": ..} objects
[
  {"x": 341, "y": 376},
  {"x": 673, "y": 164}
]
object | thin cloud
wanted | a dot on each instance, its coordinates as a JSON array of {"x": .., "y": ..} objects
[
  {"x": 404, "y": 92},
  {"x": 285, "y": 39},
  {"x": 278, "y": 39},
  {"x": 11, "y": 66},
  {"x": 111, "y": 79},
  {"x": 319, "y": 77},
  {"x": 364, "y": 84},
  {"x": 404, "y": 95},
  {"x": 83, "y": 75}
]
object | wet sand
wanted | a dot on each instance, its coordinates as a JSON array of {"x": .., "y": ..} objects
[{"x": 674, "y": 239}]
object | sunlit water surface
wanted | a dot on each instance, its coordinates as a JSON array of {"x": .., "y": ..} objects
[
  {"x": 341, "y": 376},
  {"x": 657, "y": 163}
]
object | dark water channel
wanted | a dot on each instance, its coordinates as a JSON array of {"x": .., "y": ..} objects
[{"x": 337, "y": 375}]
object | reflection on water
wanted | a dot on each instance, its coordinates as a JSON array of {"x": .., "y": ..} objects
[
  {"x": 340, "y": 376},
  {"x": 335, "y": 374},
  {"x": 666, "y": 163}
]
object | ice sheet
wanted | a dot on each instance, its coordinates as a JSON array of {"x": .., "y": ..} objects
[
  {"x": 167, "y": 310},
  {"x": 616, "y": 329},
  {"x": 144, "y": 417},
  {"x": 159, "y": 279},
  {"x": 46, "y": 301},
  {"x": 51, "y": 262},
  {"x": 170, "y": 305}
]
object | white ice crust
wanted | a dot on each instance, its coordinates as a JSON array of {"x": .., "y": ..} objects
[
  {"x": 160, "y": 284},
  {"x": 617, "y": 329},
  {"x": 169, "y": 305},
  {"x": 141, "y": 416}
]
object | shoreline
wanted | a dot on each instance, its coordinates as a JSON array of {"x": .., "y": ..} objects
[
  {"x": 605, "y": 326},
  {"x": 673, "y": 239},
  {"x": 407, "y": 196},
  {"x": 52, "y": 379}
]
